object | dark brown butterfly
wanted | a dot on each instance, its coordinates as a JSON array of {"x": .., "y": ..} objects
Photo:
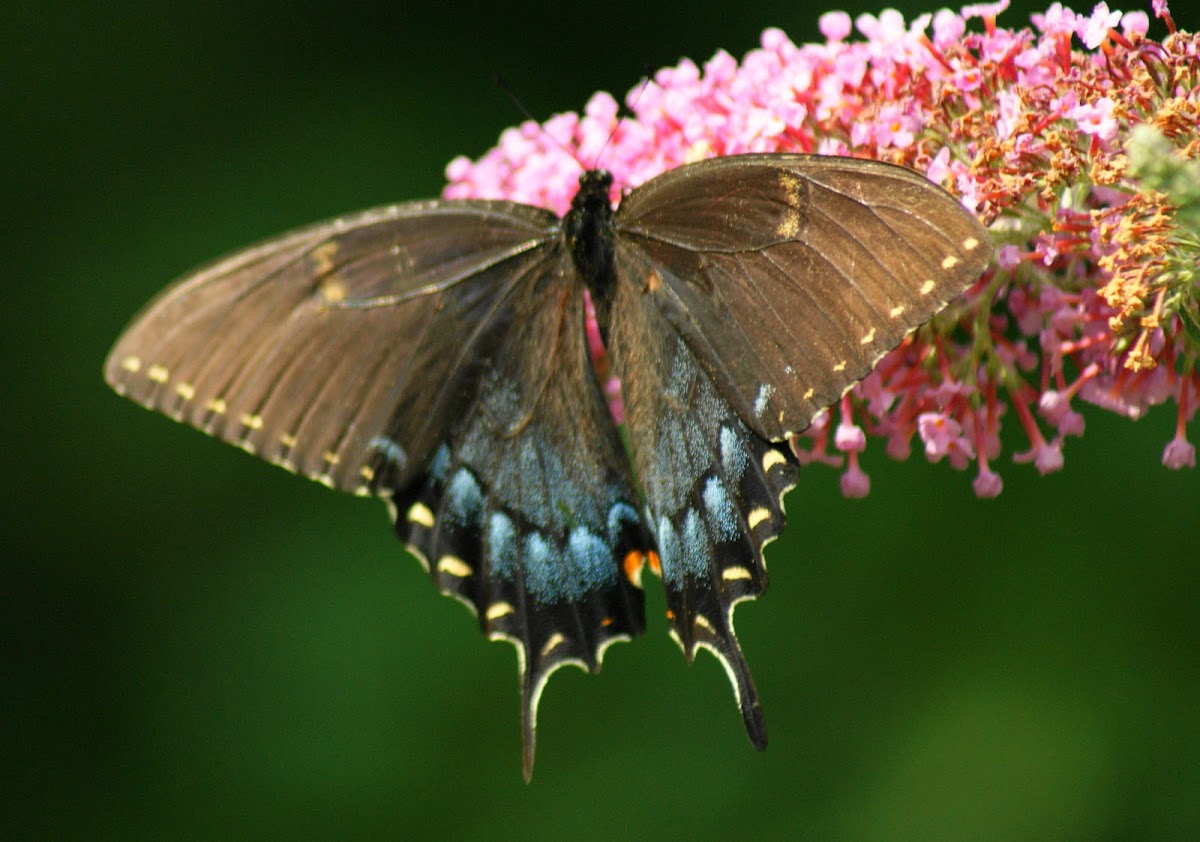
[{"x": 434, "y": 354}]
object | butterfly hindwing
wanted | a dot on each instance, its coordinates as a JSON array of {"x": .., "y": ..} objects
[
  {"x": 529, "y": 514},
  {"x": 713, "y": 487}
]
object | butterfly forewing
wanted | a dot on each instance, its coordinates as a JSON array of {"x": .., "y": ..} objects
[
  {"x": 341, "y": 351},
  {"x": 791, "y": 275}
]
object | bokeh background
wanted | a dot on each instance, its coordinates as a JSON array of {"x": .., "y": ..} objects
[{"x": 197, "y": 646}]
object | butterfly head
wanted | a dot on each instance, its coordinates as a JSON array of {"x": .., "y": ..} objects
[{"x": 594, "y": 187}]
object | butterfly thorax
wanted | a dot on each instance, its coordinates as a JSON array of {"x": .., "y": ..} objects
[{"x": 588, "y": 230}]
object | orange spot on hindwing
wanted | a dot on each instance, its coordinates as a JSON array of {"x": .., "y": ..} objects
[
  {"x": 635, "y": 560},
  {"x": 633, "y": 567}
]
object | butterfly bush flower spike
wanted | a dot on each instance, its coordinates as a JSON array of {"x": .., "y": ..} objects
[{"x": 1075, "y": 138}]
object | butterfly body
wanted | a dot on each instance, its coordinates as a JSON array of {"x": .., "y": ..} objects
[
  {"x": 435, "y": 354},
  {"x": 588, "y": 233}
]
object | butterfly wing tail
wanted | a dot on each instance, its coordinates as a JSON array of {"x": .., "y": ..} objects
[{"x": 723, "y": 644}]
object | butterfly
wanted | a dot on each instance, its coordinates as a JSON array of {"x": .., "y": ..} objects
[{"x": 435, "y": 354}]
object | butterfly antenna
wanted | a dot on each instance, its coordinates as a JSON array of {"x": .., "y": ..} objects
[
  {"x": 641, "y": 89},
  {"x": 502, "y": 84}
]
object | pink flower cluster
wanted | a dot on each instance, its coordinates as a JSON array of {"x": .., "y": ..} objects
[{"x": 1095, "y": 296}]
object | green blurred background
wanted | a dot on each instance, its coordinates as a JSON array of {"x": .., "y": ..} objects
[{"x": 199, "y": 646}]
